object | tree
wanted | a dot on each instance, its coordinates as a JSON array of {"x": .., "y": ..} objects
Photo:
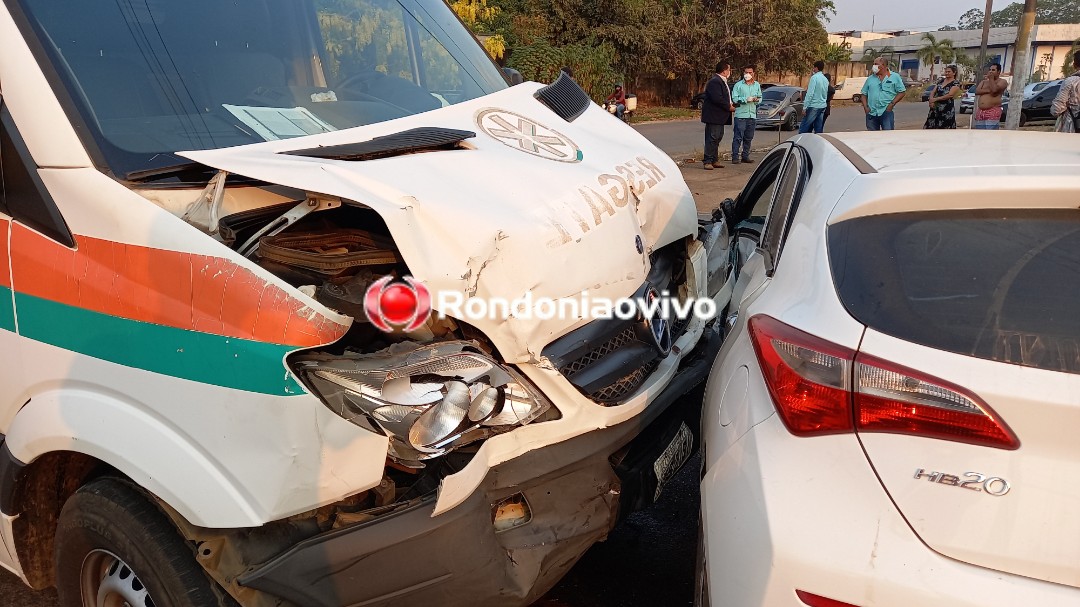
[
  {"x": 477, "y": 16},
  {"x": 936, "y": 50},
  {"x": 681, "y": 39},
  {"x": 836, "y": 53},
  {"x": 947, "y": 28},
  {"x": 1046, "y": 11},
  {"x": 1058, "y": 11},
  {"x": 1008, "y": 16},
  {"x": 870, "y": 54},
  {"x": 966, "y": 65},
  {"x": 1067, "y": 67},
  {"x": 971, "y": 20}
]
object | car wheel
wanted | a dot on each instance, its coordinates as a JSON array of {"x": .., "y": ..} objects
[
  {"x": 114, "y": 547},
  {"x": 791, "y": 122},
  {"x": 856, "y": 98},
  {"x": 1023, "y": 118},
  {"x": 698, "y": 105}
]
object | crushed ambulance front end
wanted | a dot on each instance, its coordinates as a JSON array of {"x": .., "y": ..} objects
[
  {"x": 523, "y": 436},
  {"x": 353, "y": 165}
]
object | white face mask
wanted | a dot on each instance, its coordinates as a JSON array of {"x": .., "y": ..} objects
[
  {"x": 876, "y": 68},
  {"x": 748, "y": 77}
]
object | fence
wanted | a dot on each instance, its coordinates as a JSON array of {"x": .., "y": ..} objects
[{"x": 839, "y": 71}]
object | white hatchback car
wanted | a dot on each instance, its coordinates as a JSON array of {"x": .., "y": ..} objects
[{"x": 893, "y": 419}]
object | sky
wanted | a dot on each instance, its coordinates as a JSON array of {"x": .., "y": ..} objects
[{"x": 889, "y": 15}]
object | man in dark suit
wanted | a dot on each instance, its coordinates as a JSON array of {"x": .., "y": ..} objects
[{"x": 715, "y": 113}]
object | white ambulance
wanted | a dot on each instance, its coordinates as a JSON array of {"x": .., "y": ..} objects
[{"x": 197, "y": 403}]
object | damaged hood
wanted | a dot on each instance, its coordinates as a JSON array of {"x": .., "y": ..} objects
[{"x": 531, "y": 204}]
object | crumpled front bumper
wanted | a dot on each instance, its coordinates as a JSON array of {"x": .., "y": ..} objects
[{"x": 576, "y": 490}]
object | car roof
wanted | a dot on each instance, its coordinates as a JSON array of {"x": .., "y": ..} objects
[{"x": 914, "y": 150}]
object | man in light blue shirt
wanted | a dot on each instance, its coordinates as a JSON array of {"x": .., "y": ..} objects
[
  {"x": 745, "y": 95},
  {"x": 817, "y": 95},
  {"x": 880, "y": 95}
]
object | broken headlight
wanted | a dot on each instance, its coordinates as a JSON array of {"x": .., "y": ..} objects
[{"x": 429, "y": 399}]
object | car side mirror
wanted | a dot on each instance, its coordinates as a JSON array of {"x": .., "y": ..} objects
[
  {"x": 513, "y": 76},
  {"x": 727, "y": 211}
]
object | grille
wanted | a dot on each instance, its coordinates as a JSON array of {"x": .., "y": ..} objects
[
  {"x": 565, "y": 98},
  {"x": 609, "y": 360},
  {"x": 620, "y": 387},
  {"x": 625, "y": 386},
  {"x": 622, "y": 339},
  {"x": 405, "y": 142}
]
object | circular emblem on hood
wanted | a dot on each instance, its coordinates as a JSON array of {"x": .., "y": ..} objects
[{"x": 527, "y": 135}]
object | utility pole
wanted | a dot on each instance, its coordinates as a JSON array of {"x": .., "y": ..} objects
[
  {"x": 981, "y": 70},
  {"x": 1021, "y": 66}
]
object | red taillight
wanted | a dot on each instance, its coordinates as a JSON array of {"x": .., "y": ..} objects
[
  {"x": 809, "y": 378},
  {"x": 895, "y": 399},
  {"x": 822, "y": 388},
  {"x": 814, "y": 600}
]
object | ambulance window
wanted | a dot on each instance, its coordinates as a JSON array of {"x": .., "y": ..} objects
[{"x": 24, "y": 195}]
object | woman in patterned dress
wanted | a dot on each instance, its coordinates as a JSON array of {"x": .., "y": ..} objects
[{"x": 942, "y": 114}]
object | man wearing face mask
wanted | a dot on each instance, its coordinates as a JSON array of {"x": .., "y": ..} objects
[
  {"x": 745, "y": 95},
  {"x": 880, "y": 95},
  {"x": 716, "y": 111},
  {"x": 817, "y": 95}
]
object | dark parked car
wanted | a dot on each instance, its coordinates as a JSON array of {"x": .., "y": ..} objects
[
  {"x": 699, "y": 99},
  {"x": 1038, "y": 107},
  {"x": 781, "y": 106}
]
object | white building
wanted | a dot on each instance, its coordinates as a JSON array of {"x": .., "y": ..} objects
[
  {"x": 857, "y": 39},
  {"x": 1050, "y": 43}
]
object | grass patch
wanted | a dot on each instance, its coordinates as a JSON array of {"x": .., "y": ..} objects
[
  {"x": 650, "y": 114},
  {"x": 914, "y": 94}
]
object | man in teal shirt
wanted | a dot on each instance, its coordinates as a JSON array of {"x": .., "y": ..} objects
[
  {"x": 745, "y": 95},
  {"x": 817, "y": 95},
  {"x": 880, "y": 95}
]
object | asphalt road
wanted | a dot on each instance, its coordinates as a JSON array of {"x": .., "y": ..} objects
[{"x": 686, "y": 136}]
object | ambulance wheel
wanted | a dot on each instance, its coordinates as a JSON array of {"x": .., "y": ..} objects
[{"x": 114, "y": 547}]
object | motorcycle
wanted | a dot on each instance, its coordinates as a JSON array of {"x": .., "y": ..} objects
[{"x": 628, "y": 112}]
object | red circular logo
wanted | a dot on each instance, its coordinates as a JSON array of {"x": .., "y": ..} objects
[{"x": 402, "y": 305}]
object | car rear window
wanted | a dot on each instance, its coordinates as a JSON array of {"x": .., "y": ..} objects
[{"x": 996, "y": 285}]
